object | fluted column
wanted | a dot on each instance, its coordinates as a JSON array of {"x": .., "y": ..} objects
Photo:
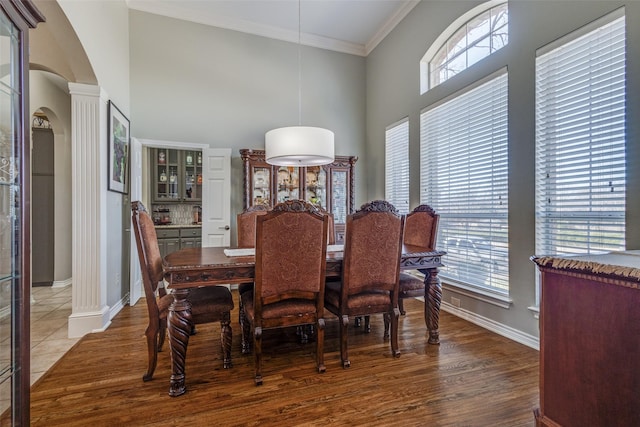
[{"x": 89, "y": 185}]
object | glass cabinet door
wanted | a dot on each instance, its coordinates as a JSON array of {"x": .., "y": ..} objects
[
  {"x": 339, "y": 196},
  {"x": 192, "y": 175},
  {"x": 166, "y": 174},
  {"x": 261, "y": 185},
  {"x": 316, "y": 186},
  {"x": 288, "y": 183}
]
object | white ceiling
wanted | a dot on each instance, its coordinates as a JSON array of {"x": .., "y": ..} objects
[{"x": 350, "y": 26}]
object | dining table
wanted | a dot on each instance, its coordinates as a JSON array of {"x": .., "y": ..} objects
[{"x": 189, "y": 268}]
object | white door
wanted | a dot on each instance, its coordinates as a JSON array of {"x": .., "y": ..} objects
[
  {"x": 135, "y": 282},
  {"x": 216, "y": 197}
]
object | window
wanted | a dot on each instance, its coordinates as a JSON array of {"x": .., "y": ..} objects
[
  {"x": 396, "y": 180},
  {"x": 580, "y": 141},
  {"x": 466, "y": 43},
  {"x": 463, "y": 176}
]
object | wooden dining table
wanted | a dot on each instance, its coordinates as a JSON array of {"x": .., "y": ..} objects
[{"x": 194, "y": 267}]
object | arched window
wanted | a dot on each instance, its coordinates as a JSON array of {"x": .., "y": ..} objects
[{"x": 473, "y": 36}]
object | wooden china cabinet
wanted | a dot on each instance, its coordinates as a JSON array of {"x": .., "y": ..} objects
[
  {"x": 16, "y": 17},
  {"x": 330, "y": 187}
]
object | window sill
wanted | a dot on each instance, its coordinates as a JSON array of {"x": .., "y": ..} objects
[
  {"x": 535, "y": 311},
  {"x": 494, "y": 298}
]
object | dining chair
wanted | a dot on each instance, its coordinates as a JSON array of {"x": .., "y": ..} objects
[
  {"x": 208, "y": 304},
  {"x": 291, "y": 250},
  {"x": 370, "y": 271},
  {"x": 246, "y": 231},
  {"x": 420, "y": 229},
  {"x": 331, "y": 230}
]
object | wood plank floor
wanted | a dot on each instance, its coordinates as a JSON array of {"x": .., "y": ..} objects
[{"x": 474, "y": 378}]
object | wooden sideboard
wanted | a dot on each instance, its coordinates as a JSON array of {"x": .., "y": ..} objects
[
  {"x": 330, "y": 187},
  {"x": 590, "y": 340}
]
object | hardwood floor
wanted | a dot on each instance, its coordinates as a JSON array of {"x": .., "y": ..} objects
[{"x": 474, "y": 378}]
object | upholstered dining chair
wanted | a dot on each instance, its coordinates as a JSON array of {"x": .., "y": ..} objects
[
  {"x": 420, "y": 229},
  {"x": 246, "y": 231},
  {"x": 291, "y": 250},
  {"x": 208, "y": 304},
  {"x": 370, "y": 270}
]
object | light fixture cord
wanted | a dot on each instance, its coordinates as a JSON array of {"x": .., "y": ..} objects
[{"x": 299, "y": 67}]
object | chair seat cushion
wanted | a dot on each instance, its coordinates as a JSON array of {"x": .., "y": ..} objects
[
  {"x": 244, "y": 287},
  {"x": 363, "y": 299},
  {"x": 207, "y": 303},
  {"x": 288, "y": 308},
  {"x": 409, "y": 282}
]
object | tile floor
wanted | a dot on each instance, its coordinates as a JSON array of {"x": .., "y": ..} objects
[{"x": 50, "y": 310}]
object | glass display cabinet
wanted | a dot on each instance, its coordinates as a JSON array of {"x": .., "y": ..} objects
[
  {"x": 176, "y": 175},
  {"x": 330, "y": 187},
  {"x": 16, "y": 17}
]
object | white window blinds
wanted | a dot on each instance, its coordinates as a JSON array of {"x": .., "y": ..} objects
[
  {"x": 580, "y": 141},
  {"x": 396, "y": 188},
  {"x": 463, "y": 176}
]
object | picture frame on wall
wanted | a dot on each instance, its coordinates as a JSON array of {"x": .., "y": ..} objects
[{"x": 119, "y": 136}]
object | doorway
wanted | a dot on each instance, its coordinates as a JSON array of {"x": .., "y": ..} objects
[{"x": 42, "y": 201}]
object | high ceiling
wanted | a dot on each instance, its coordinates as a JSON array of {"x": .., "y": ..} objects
[{"x": 350, "y": 26}]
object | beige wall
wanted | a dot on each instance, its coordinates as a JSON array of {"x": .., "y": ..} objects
[{"x": 199, "y": 84}]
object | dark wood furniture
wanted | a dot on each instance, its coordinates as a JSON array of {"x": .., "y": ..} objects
[
  {"x": 370, "y": 271},
  {"x": 590, "y": 340},
  {"x": 330, "y": 187},
  {"x": 187, "y": 269},
  {"x": 15, "y": 211},
  {"x": 246, "y": 226},
  {"x": 291, "y": 256},
  {"x": 207, "y": 304},
  {"x": 420, "y": 229}
]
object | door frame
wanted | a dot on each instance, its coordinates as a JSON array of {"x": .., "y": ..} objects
[{"x": 137, "y": 159}]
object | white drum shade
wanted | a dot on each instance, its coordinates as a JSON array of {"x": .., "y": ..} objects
[{"x": 299, "y": 146}]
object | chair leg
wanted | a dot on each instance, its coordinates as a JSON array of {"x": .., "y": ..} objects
[
  {"x": 320, "y": 345},
  {"x": 367, "y": 324},
  {"x": 246, "y": 333},
  {"x": 152, "y": 350},
  {"x": 386, "y": 326},
  {"x": 163, "y": 333},
  {"x": 343, "y": 341},
  {"x": 257, "y": 352},
  {"x": 226, "y": 335},
  {"x": 395, "y": 314},
  {"x": 358, "y": 321},
  {"x": 401, "y": 306}
]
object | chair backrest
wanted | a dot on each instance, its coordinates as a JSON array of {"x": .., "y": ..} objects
[
  {"x": 331, "y": 231},
  {"x": 148, "y": 254},
  {"x": 421, "y": 227},
  {"x": 246, "y": 224},
  {"x": 372, "y": 249},
  {"x": 291, "y": 250}
]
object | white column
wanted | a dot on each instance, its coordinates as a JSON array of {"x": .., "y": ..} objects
[{"x": 89, "y": 185}]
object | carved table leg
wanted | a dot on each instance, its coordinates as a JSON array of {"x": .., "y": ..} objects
[
  {"x": 432, "y": 300},
  {"x": 180, "y": 325}
]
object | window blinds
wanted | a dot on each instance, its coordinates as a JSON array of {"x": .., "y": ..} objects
[
  {"x": 396, "y": 188},
  {"x": 580, "y": 142},
  {"x": 464, "y": 177}
]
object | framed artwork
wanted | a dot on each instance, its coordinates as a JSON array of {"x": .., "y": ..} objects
[{"x": 118, "y": 150}]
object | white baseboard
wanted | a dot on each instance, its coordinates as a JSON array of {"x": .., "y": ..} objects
[
  {"x": 81, "y": 324},
  {"x": 115, "y": 309},
  {"x": 62, "y": 283},
  {"x": 493, "y": 326}
]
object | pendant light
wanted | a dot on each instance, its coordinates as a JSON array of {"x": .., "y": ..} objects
[{"x": 299, "y": 145}]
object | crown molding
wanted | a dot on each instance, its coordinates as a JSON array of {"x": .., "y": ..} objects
[
  {"x": 248, "y": 27},
  {"x": 389, "y": 26}
]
